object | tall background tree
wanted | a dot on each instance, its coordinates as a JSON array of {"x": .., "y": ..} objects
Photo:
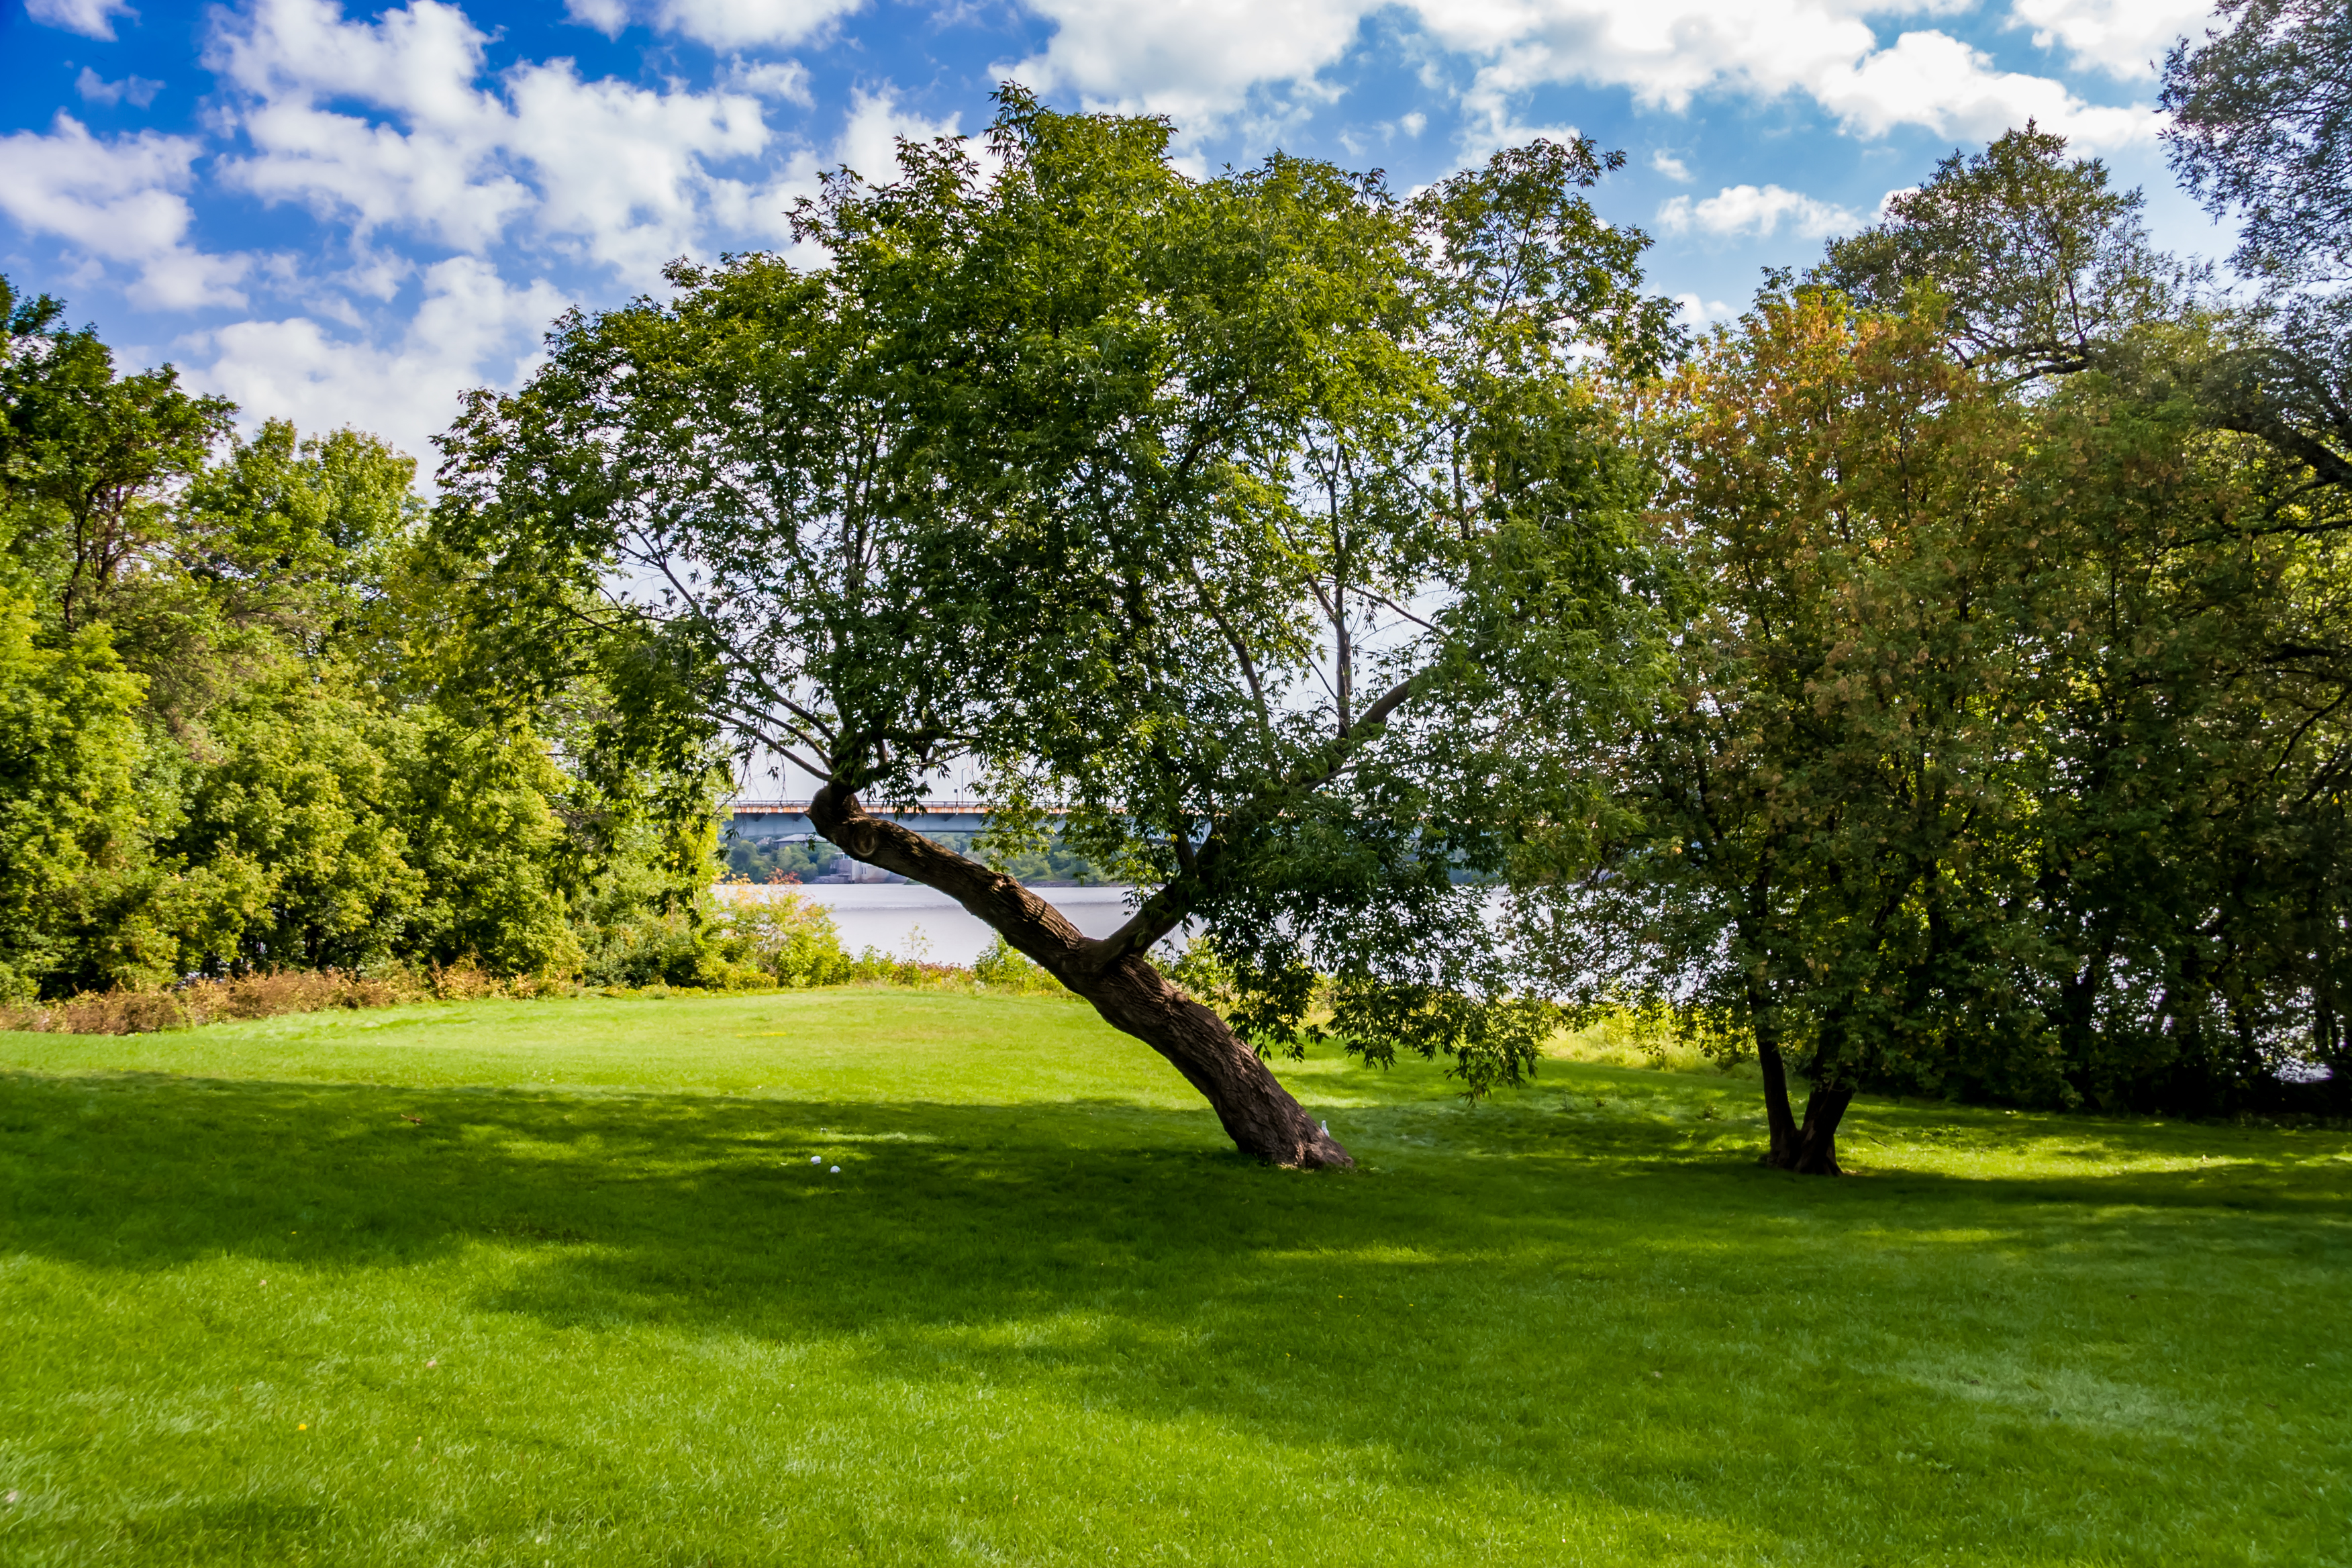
[{"x": 2004, "y": 753}]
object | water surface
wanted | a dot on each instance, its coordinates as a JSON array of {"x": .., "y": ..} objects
[{"x": 908, "y": 920}]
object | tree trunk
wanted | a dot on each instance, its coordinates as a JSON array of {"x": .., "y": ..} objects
[
  {"x": 1817, "y": 1140},
  {"x": 1258, "y": 1114},
  {"x": 1809, "y": 1149},
  {"x": 1781, "y": 1155}
]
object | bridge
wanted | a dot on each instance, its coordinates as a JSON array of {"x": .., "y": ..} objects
[{"x": 787, "y": 821}]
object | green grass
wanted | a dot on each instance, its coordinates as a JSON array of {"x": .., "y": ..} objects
[{"x": 597, "y": 1307}]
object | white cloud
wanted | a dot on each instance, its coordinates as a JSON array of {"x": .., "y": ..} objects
[
  {"x": 137, "y": 91},
  {"x": 866, "y": 143},
  {"x": 2121, "y": 38},
  {"x": 1672, "y": 167},
  {"x": 117, "y": 200},
  {"x": 1667, "y": 52},
  {"x": 869, "y": 135},
  {"x": 1695, "y": 313},
  {"x": 474, "y": 327},
  {"x": 620, "y": 170},
  {"x": 785, "y": 80},
  {"x": 1201, "y": 60},
  {"x": 1754, "y": 210},
  {"x": 471, "y": 327},
  {"x": 604, "y": 168},
  {"x": 721, "y": 24},
  {"x": 1934, "y": 81},
  {"x": 610, "y": 17},
  {"x": 1195, "y": 60},
  {"x": 91, "y": 18}
]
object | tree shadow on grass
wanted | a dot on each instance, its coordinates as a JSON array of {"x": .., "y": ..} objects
[{"x": 1101, "y": 1252}]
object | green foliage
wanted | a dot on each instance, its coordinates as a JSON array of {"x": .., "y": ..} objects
[
  {"x": 70, "y": 830},
  {"x": 90, "y": 461},
  {"x": 2262, "y": 127},
  {"x": 2003, "y": 756},
  {"x": 2032, "y": 259},
  {"x": 999, "y": 968},
  {"x": 240, "y": 737},
  {"x": 767, "y": 860},
  {"x": 789, "y": 942},
  {"x": 1238, "y": 517}
]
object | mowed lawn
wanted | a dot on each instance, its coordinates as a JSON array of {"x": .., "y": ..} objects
[{"x": 558, "y": 1283}]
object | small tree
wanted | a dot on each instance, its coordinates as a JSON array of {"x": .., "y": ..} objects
[{"x": 1245, "y": 518}]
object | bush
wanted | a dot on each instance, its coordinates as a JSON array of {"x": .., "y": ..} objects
[
  {"x": 791, "y": 943},
  {"x": 999, "y": 968},
  {"x": 201, "y": 1001}
]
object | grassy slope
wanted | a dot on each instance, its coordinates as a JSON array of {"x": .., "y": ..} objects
[{"x": 606, "y": 1311}]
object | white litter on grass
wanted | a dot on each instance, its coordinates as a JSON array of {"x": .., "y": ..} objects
[
  {"x": 816, "y": 1159},
  {"x": 836, "y": 1170},
  {"x": 1325, "y": 1125}
]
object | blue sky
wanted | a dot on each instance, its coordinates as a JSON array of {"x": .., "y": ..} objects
[{"x": 345, "y": 215}]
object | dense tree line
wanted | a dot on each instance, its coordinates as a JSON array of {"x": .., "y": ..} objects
[
  {"x": 240, "y": 728},
  {"x": 1935, "y": 681}
]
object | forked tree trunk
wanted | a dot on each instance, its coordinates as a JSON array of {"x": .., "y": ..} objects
[
  {"x": 1259, "y": 1115},
  {"x": 1817, "y": 1139},
  {"x": 1809, "y": 1148}
]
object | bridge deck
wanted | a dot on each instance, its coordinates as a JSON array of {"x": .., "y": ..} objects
[{"x": 788, "y": 818}]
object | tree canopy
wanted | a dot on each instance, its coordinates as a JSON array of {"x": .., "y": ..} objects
[
  {"x": 1237, "y": 517},
  {"x": 2003, "y": 750},
  {"x": 237, "y": 735},
  {"x": 1936, "y": 681}
]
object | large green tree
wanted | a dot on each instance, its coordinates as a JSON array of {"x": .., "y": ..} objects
[
  {"x": 1243, "y": 518},
  {"x": 2005, "y": 750}
]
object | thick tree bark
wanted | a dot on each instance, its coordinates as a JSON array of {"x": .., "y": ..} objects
[
  {"x": 1781, "y": 1123},
  {"x": 1259, "y": 1115},
  {"x": 1809, "y": 1148},
  {"x": 1817, "y": 1140}
]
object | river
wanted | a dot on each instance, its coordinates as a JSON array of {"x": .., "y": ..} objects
[{"x": 906, "y": 920}]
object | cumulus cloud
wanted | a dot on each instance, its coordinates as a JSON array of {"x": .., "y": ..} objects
[
  {"x": 721, "y": 24},
  {"x": 1194, "y": 60},
  {"x": 136, "y": 90},
  {"x": 870, "y": 134},
  {"x": 2121, "y": 38},
  {"x": 471, "y": 327},
  {"x": 118, "y": 200},
  {"x": 613, "y": 171},
  {"x": 1672, "y": 167},
  {"x": 784, "y": 80},
  {"x": 1934, "y": 81},
  {"x": 1755, "y": 210},
  {"x": 1201, "y": 60},
  {"x": 867, "y": 143},
  {"x": 1668, "y": 52},
  {"x": 1697, "y": 315},
  {"x": 91, "y": 18}
]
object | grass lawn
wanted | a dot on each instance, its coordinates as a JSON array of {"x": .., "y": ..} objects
[{"x": 558, "y": 1283}]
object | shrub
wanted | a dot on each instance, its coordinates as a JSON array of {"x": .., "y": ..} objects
[{"x": 999, "y": 968}]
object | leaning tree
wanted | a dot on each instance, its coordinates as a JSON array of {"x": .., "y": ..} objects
[{"x": 1244, "y": 521}]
